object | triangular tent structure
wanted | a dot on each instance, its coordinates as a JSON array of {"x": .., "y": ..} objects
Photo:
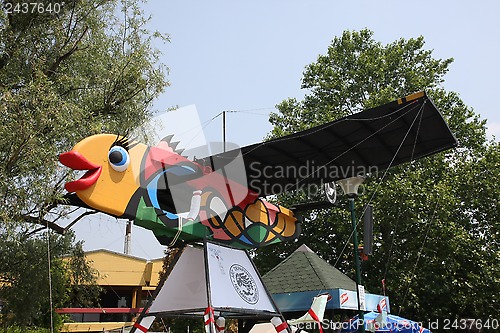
[
  {"x": 217, "y": 276},
  {"x": 212, "y": 281},
  {"x": 303, "y": 275},
  {"x": 304, "y": 270}
]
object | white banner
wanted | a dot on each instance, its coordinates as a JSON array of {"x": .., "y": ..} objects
[
  {"x": 347, "y": 299},
  {"x": 234, "y": 283},
  {"x": 362, "y": 298}
]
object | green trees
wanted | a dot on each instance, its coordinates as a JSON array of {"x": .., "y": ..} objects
[
  {"x": 436, "y": 219},
  {"x": 28, "y": 295},
  {"x": 64, "y": 75}
]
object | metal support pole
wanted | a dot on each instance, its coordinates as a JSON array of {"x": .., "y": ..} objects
[
  {"x": 224, "y": 130},
  {"x": 128, "y": 238},
  {"x": 361, "y": 314}
]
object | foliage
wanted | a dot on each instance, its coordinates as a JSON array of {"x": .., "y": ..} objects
[
  {"x": 64, "y": 75},
  {"x": 18, "y": 329},
  {"x": 437, "y": 224},
  {"x": 26, "y": 291}
]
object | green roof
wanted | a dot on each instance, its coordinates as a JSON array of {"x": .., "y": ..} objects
[{"x": 304, "y": 270}]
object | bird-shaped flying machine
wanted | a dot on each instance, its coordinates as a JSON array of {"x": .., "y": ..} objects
[{"x": 220, "y": 198}]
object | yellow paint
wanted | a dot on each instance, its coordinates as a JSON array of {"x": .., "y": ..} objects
[
  {"x": 286, "y": 211},
  {"x": 258, "y": 212},
  {"x": 280, "y": 225},
  {"x": 94, "y": 326},
  {"x": 290, "y": 225},
  {"x": 113, "y": 190},
  {"x": 156, "y": 270},
  {"x": 134, "y": 298},
  {"x": 415, "y": 96},
  {"x": 234, "y": 223},
  {"x": 270, "y": 236},
  {"x": 116, "y": 269},
  {"x": 411, "y": 97},
  {"x": 148, "y": 288}
]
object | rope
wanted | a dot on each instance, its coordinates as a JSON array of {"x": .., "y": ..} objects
[
  {"x": 206, "y": 123},
  {"x": 335, "y": 123},
  {"x": 382, "y": 179},
  {"x": 392, "y": 245},
  {"x": 165, "y": 328},
  {"x": 412, "y": 275},
  {"x": 178, "y": 233}
]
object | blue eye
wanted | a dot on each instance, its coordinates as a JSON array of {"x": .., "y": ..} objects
[{"x": 118, "y": 158}]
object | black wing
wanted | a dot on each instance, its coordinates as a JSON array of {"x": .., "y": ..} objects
[{"x": 372, "y": 140}]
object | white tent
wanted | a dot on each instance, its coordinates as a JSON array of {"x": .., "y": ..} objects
[{"x": 213, "y": 280}]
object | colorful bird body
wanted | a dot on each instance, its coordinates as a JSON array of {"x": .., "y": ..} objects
[
  {"x": 183, "y": 200},
  {"x": 176, "y": 198}
]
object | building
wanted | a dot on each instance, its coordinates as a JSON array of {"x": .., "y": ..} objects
[
  {"x": 127, "y": 282},
  {"x": 303, "y": 275}
]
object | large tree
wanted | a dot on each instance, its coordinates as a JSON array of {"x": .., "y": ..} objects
[
  {"x": 436, "y": 219},
  {"x": 67, "y": 70},
  {"x": 64, "y": 76}
]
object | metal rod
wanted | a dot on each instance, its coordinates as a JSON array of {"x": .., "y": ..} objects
[
  {"x": 361, "y": 314},
  {"x": 224, "y": 130},
  {"x": 128, "y": 238}
]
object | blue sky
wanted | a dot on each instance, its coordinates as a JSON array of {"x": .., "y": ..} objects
[{"x": 249, "y": 56}]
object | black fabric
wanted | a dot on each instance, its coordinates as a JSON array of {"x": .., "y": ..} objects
[{"x": 368, "y": 141}]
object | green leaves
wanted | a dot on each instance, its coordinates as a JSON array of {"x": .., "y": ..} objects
[{"x": 24, "y": 273}]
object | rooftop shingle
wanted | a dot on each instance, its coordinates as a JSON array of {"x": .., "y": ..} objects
[{"x": 304, "y": 270}]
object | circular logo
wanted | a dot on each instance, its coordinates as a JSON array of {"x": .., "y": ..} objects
[{"x": 244, "y": 284}]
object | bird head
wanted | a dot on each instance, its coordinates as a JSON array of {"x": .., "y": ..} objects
[{"x": 113, "y": 167}]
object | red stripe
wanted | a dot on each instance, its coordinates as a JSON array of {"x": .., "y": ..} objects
[
  {"x": 315, "y": 317},
  {"x": 99, "y": 310},
  {"x": 140, "y": 327},
  {"x": 281, "y": 326},
  {"x": 210, "y": 313}
]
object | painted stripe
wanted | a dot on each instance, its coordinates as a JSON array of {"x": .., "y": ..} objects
[
  {"x": 281, "y": 326},
  {"x": 315, "y": 318},
  {"x": 140, "y": 327},
  {"x": 414, "y": 96},
  {"x": 99, "y": 310}
]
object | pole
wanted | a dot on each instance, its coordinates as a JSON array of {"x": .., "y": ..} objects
[
  {"x": 128, "y": 238},
  {"x": 361, "y": 314},
  {"x": 224, "y": 130}
]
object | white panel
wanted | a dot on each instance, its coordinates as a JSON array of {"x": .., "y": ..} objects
[
  {"x": 234, "y": 283},
  {"x": 145, "y": 323},
  {"x": 348, "y": 299},
  {"x": 185, "y": 288}
]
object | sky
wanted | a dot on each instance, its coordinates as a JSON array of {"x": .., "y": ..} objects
[{"x": 248, "y": 56}]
